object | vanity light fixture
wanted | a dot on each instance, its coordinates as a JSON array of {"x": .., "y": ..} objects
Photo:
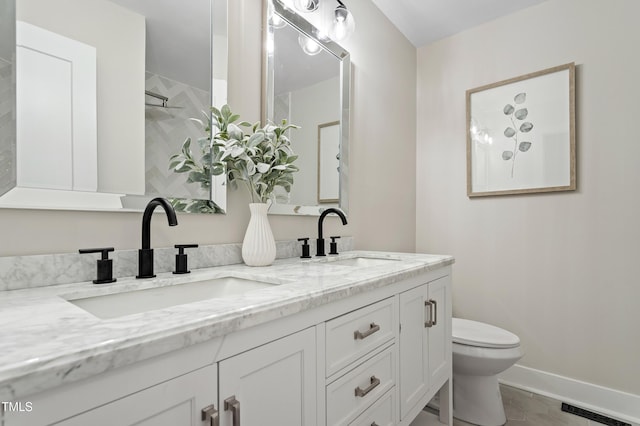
[
  {"x": 343, "y": 24},
  {"x": 306, "y": 6}
]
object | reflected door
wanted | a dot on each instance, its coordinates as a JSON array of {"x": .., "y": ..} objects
[{"x": 56, "y": 111}]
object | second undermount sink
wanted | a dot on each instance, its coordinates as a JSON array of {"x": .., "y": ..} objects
[
  {"x": 362, "y": 261},
  {"x": 116, "y": 305}
]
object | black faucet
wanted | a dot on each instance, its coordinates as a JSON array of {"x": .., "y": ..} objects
[
  {"x": 145, "y": 255},
  {"x": 320, "y": 240}
]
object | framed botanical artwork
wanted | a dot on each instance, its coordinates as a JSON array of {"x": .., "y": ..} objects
[
  {"x": 521, "y": 134},
  {"x": 329, "y": 162}
]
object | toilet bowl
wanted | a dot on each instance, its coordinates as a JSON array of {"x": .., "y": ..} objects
[{"x": 480, "y": 352}]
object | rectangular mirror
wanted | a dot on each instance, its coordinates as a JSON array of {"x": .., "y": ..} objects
[
  {"x": 306, "y": 82},
  {"x": 105, "y": 93}
]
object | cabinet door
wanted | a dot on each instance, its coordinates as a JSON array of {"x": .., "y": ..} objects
[
  {"x": 176, "y": 402},
  {"x": 438, "y": 333},
  {"x": 414, "y": 351},
  {"x": 274, "y": 384},
  {"x": 425, "y": 341}
]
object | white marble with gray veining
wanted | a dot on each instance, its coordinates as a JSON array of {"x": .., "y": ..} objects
[
  {"x": 45, "y": 341},
  {"x": 19, "y": 272}
]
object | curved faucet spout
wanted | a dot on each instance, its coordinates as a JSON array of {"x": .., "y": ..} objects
[
  {"x": 324, "y": 214},
  {"x": 146, "y": 218}
]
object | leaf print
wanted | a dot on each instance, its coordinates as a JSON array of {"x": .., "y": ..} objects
[
  {"x": 524, "y": 146},
  {"x": 521, "y": 114},
  {"x": 526, "y": 127},
  {"x": 508, "y": 109},
  {"x": 516, "y": 130}
]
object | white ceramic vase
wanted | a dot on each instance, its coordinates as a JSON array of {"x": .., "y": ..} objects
[{"x": 258, "y": 246}]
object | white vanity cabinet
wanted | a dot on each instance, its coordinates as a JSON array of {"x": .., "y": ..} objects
[
  {"x": 179, "y": 401},
  {"x": 162, "y": 391},
  {"x": 425, "y": 345},
  {"x": 273, "y": 384},
  {"x": 375, "y": 357}
]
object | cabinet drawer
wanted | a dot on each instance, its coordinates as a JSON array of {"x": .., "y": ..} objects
[
  {"x": 354, "y": 392},
  {"x": 357, "y": 333},
  {"x": 381, "y": 413}
]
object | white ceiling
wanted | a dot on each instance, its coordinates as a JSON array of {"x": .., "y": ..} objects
[
  {"x": 425, "y": 21},
  {"x": 182, "y": 28}
]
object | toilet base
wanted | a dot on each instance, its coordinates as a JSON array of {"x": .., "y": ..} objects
[{"x": 477, "y": 400}]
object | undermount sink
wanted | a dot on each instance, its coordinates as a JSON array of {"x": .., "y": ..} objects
[
  {"x": 362, "y": 261},
  {"x": 134, "y": 302}
]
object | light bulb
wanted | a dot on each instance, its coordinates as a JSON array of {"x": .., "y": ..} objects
[
  {"x": 310, "y": 47},
  {"x": 306, "y": 6},
  {"x": 343, "y": 23},
  {"x": 277, "y": 22}
]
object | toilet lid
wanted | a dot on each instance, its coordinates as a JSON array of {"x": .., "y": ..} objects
[{"x": 473, "y": 333}]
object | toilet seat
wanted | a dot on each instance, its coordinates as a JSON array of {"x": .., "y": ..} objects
[{"x": 473, "y": 333}]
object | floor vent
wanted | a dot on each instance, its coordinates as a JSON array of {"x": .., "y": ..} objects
[{"x": 572, "y": 409}]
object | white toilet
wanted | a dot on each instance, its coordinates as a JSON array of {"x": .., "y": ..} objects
[{"x": 480, "y": 352}]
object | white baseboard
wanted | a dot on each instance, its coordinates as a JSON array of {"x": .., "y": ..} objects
[{"x": 609, "y": 402}]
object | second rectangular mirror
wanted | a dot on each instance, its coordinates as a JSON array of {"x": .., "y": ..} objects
[{"x": 306, "y": 82}]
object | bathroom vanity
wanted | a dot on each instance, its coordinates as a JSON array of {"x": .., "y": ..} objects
[{"x": 361, "y": 338}]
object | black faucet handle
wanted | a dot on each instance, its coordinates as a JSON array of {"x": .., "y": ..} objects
[
  {"x": 333, "y": 246},
  {"x": 181, "y": 247},
  {"x": 305, "y": 248},
  {"x": 105, "y": 265},
  {"x": 181, "y": 258}
]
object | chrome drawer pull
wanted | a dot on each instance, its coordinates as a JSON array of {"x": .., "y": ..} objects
[
  {"x": 210, "y": 413},
  {"x": 233, "y": 404},
  {"x": 374, "y": 383},
  {"x": 373, "y": 327}
]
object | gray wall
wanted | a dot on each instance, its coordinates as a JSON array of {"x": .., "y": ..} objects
[{"x": 559, "y": 270}]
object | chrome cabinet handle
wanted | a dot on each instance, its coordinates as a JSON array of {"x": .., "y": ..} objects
[
  {"x": 433, "y": 313},
  {"x": 210, "y": 413},
  {"x": 429, "y": 323},
  {"x": 374, "y": 383},
  {"x": 233, "y": 404},
  {"x": 434, "y": 320},
  {"x": 373, "y": 327}
]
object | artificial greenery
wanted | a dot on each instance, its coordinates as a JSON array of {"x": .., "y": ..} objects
[
  {"x": 260, "y": 157},
  {"x": 199, "y": 171}
]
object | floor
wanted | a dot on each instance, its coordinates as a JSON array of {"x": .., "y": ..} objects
[{"x": 522, "y": 409}]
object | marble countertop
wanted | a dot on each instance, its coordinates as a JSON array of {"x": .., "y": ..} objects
[{"x": 46, "y": 341}]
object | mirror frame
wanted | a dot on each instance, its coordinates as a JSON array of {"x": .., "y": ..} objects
[
  {"x": 51, "y": 199},
  {"x": 272, "y": 7}
]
